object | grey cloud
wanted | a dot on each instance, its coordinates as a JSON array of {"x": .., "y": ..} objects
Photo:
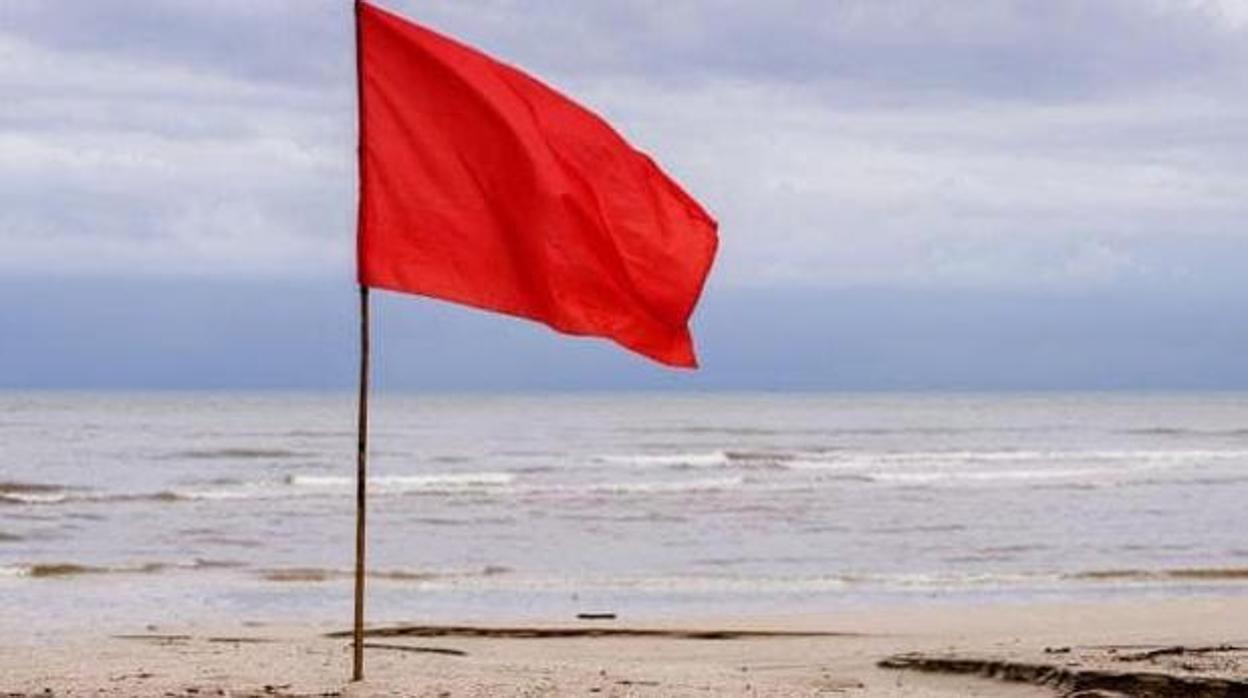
[
  {"x": 270, "y": 41},
  {"x": 906, "y": 142},
  {"x": 898, "y": 50},
  {"x": 1008, "y": 49}
]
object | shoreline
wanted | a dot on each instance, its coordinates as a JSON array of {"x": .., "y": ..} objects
[{"x": 681, "y": 656}]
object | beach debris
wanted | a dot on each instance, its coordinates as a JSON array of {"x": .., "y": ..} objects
[
  {"x": 1175, "y": 651},
  {"x": 301, "y": 574},
  {"x": 1075, "y": 679},
  {"x": 634, "y": 682},
  {"x": 240, "y": 640},
  {"x": 520, "y": 632},
  {"x": 46, "y": 570},
  {"x": 61, "y": 569},
  {"x": 157, "y": 638},
  {"x": 414, "y": 648},
  {"x": 125, "y": 677}
]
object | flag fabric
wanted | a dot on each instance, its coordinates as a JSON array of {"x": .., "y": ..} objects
[{"x": 481, "y": 185}]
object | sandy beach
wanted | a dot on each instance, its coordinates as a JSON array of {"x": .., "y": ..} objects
[{"x": 840, "y": 656}]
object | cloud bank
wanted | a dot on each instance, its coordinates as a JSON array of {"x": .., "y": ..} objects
[{"x": 1056, "y": 144}]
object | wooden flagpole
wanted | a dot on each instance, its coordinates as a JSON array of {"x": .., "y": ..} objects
[
  {"x": 361, "y": 456},
  {"x": 361, "y": 493}
]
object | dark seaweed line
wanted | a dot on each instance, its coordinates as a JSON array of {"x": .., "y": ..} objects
[
  {"x": 1073, "y": 680},
  {"x": 553, "y": 632}
]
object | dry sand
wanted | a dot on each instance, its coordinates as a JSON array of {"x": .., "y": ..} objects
[{"x": 301, "y": 660}]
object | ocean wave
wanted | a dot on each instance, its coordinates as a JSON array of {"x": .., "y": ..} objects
[
  {"x": 756, "y": 469},
  {"x": 901, "y": 467},
  {"x": 236, "y": 453},
  {"x": 497, "y": 577},
  {"x": 740, "y": 584},
  {"x": 1012, "y": 456},
  {"x": 14, "y": 492},
  {"x": 697, "y": 430},
  {"x": 642, "y": 518},
  {"x": 1181, "y": 574},
  {"x": 503, "y": 578},
  {"x": 290, "y": 487},
  {"x": 1185, "y": 431},
  {"x": 310, "y": 485},
  {"x": 15, "y": 487},
  {"x": 87, "y": 497},
  {"x": 56, "y": 570},
  {"x": 872, "y": 462},
  {"x": 662, "y": 486},
  {"x": 407, "y": 483},
  {"x": 949, "y": 476},
  {"x": 730, "y": 430},
  {"x": 919, "y": 528},
  {"x": 688, "y": 460},
  {"x": 1198, "y": 480},
  {"x": 768, "y": 457},
  {"x": 770, "y": 584},
  {"x": 925, "y": 581},
  {"x": 956, "y": 580},
  {"x": 328, "y": 574},
  {"x": 34, "y": 498},
  {"x": 1045, "y": 469},
  {"x": 318, "y": 433},
  {"x": 743, "y": 458},
  {"x": 498, "y": 484}
]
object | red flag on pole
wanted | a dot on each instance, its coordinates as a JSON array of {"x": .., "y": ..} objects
[{"x": 481, "y": 185}]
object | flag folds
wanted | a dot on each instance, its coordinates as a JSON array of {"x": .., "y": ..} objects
[{"x": 480, "y": 185}]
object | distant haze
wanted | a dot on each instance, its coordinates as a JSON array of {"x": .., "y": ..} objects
[
  {"x": 301, "y": 335},
  {"x": 913, "y": 194}
]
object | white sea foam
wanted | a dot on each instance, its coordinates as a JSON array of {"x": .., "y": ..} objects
[
  {"x": 810, "y": 459},
  {"x": 1133, "y": 456},
  {"x": 708, "y": 459},
  {"x": 37, "y": 497},
  {"x": 312, "y": 485},
  {"x": 990, "y": 475},
  {"x": 245, "y": 492},
  {"x": 748, "y": 584},
  {"x": 407, "y": 483}
]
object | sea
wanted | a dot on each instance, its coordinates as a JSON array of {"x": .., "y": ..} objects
[{"x": 128, "y": 511}]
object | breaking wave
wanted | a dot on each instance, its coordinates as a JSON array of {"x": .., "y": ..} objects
[
  {"x": 407, "y": 483},
  {"x": 909, "y": 468}
]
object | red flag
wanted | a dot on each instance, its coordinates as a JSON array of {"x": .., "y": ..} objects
[{"x": 481, "y": 185}]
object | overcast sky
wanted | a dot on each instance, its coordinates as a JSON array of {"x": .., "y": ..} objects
[{"x": 1059, "y": 149}]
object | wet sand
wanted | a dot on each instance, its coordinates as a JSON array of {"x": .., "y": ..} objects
[{"x": 791, "y": 656}]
